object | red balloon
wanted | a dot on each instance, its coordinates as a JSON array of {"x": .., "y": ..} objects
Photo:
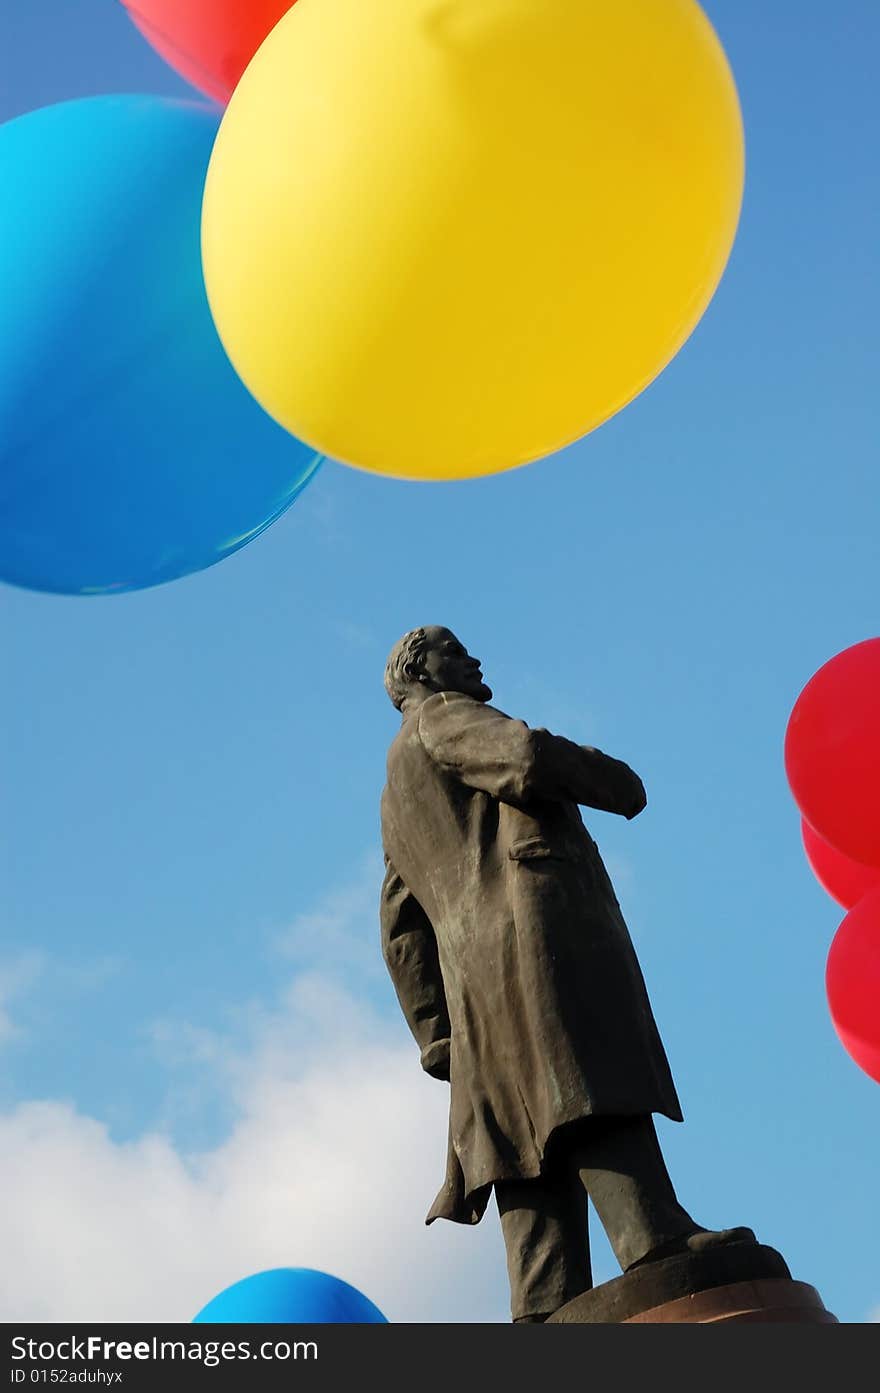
[
  {"x": 846, "y": 881},
  {"x": 852, "y": 982},
  {"x": 832, "y": 752},
  {"x": 209, "y": 42}
]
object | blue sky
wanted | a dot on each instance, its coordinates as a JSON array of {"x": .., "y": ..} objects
[{"x": 191, "y": 775}]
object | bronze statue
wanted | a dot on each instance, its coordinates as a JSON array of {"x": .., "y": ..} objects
[{"x": 518, "y": 979}]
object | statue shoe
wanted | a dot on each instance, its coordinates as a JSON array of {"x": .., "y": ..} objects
[{"x": 696, "y": 1241}]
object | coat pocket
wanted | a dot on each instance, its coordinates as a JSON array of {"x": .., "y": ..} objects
[{"x": 535, "y": 849}]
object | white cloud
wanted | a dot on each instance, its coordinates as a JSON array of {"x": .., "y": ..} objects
[
  {"x": 17, "y": 976},
  {"x": 359, "y": 636},
  {"x": 330, "y": 1166},
  {"x": 623, "y": 876},
  {"x": 337, "y": 1148},
  {"x": 341, "y": 933},
  {"x": 57, "y": 978}
]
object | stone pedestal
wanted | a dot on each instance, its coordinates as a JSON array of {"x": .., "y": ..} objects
[{"x": 744, "y": 1282}]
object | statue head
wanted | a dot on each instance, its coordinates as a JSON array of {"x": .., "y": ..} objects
[{"x": 432, "y": 660}]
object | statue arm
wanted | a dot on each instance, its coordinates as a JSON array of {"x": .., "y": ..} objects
[
  {"x": 410, "y": 951},
  {"x": 518, "y": 764}
]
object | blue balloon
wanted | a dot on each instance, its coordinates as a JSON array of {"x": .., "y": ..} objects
[
  {"x": 130, "y": 452},
  {"x": 291, "y": 1295}
]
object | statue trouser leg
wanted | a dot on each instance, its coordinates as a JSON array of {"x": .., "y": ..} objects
[
  {"x": 544, "y": 1223},
  {"x": 618, "y": 1162},
  {"x": 622, "y": 1169}
]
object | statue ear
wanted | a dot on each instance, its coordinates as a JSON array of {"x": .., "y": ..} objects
[{"x": 413, "y": 673}]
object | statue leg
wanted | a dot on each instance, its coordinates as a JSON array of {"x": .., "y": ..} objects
[
  {"x": 544, "y": 1223},
  {"x": 622, "y": 1169}
]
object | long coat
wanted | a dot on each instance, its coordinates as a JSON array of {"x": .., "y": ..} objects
[{"x": 502, "y": 932}]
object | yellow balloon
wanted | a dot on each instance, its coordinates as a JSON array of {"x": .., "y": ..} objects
[{"x": 443, "y": 238}]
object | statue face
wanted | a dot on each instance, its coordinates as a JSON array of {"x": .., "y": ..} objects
[{"x": 448, "y": 667}]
